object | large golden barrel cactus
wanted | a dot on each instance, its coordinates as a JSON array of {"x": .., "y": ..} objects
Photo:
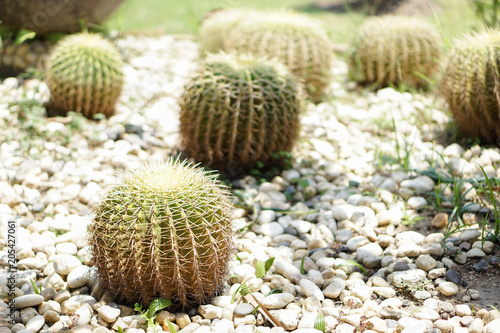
[
  {"x": 164, "y": 232},
  {"x": 395, "y": 50},
  {"x": 471, "y": 85},
  {"x": 239, "y": 110},
  {"x": 300, "y": 42},
  {"x": 84, "y": 75}
]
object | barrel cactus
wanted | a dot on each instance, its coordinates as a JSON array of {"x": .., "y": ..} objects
[
  {"x": 298, "y": 41},
  {"x": 395, "y": 50},
  {"x": 84, "y": 75},
  {"x": 471, "y": 85},
  {"x": 240, "y": 110},
  {"x": 165, "y": 231}
]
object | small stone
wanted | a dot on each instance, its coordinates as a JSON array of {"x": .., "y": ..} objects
[
  {"x": 481, "y": 266},
  {"x": 470, "y": 235},
  {"x": 475, "y": 253},
  {"x": 266, "y": 216},
  {"x": 426, "y": 314},
  {"x": 437, "y": 273},
  {"x": 355, "y": 242},
  {"x": 83, "y": 315},
  {"x": 476, "y": 326},
  {"x": 78, "y": 277},
  {"x": 183, "y": 320},
  {"x": 286, "y": 269},
  {"x": 417, "y": 202},
  {"x": 243, "y": 309},
  {"x": 272, "y": 229},
  {"x": 420, "y": 184},
  {"x": 440, "y": 220},
  {"x": 210, "y": 311},
  {"x": 426, "y": 262},
  {"x": 310, "y": 289},
  {"x": 335, "y": 288},
  {"x": 289, "y": 319},
  {"x": 492, "y": 327},
  {"x": 448, "y": 288},
  {"x": 27, "y": 300},
  {"x": 65, "y": 263},
  {"x": 345, "y": 328},
  {"x": 368, "y": 250},
  {"x": 51, "y": 316},
  {"x": 108, "y": 313},
  {"x": 409, "y": 249},
  {"x": 409, "y": 277},
  {"x": 463, "y": 310},
  {"x": 453, "y": 276},
  {"x": 277, "y": 301},
  {"x": 35, "y": 323},
  {"x": 421, "y": 295},
  {"x": 401, "y": 266},
  {"x": 385, "y": 292}
]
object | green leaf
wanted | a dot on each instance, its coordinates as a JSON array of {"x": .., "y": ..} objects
[
  {"x": 137, "y": 307},
  {"x": 170, "y": 326},
  {"x": 24, "y": 35},
  {"x": 35, "y": 288},
  {"x": 244, "y": 290},
  {"x": 319, "y": 323},
  {"x": 275, "y": 291},
  {"x": 120, "y": 330},
  {"x": 235, "y": 293},
  {"x": 269, "y": 263},
  {"x": 255, "y": 309},
  {"x": 157, "y": 305},
  {"x": 350, "y": 262},
  {"x": 302, "y": 265},
  {"x": 260, "y": 270}
]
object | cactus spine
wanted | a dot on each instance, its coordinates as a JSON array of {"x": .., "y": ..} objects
[
  {"x": 471, "y": 85},
  {"x": 84, "y": 75},
  {"x": 239, "y": 110},
  {"x": 395, "y": 50},
  {"x": 164, "y": 232}
]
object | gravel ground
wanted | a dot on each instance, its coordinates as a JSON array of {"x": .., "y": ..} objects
[{"x": 352, "y": 199}]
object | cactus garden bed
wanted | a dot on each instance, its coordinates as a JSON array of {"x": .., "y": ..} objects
[{"x": 384, "y": 220}]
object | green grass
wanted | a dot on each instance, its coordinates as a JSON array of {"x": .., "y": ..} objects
[{"x": 153, "y": 17}]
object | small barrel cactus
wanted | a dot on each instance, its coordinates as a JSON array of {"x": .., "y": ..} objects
[
  {"x": 84, "y": 75},
  {"x": 240, "y": 110},
  {"x": 395, "y": 50},
  {"x": 164, "y": 232},
  {"x": 298, "y": 41},
  {"x": 471, "y": 85}
]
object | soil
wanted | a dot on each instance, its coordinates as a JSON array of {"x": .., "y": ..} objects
[{"x": 381, "y": 7}]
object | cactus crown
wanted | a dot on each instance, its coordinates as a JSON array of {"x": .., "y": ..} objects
[
  {"x": 298, "y": 41},
  {"x": 395, "y": 49},
  {"x": 239, "y": 110},
  {"x": 164, "y": 232},
  {"x": 84, "y": 75},
  {"x": 471, "y": 82}
]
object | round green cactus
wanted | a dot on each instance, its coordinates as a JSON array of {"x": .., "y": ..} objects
[
  {"x": 164, "y": 232},
  {"x": 395, "y": 50},
  {"x": 298, "y": 41},
  {"x": 471, "y": 85},
  {"x": 84, "y": 75},
  {"x": 238, "y": 111}
]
